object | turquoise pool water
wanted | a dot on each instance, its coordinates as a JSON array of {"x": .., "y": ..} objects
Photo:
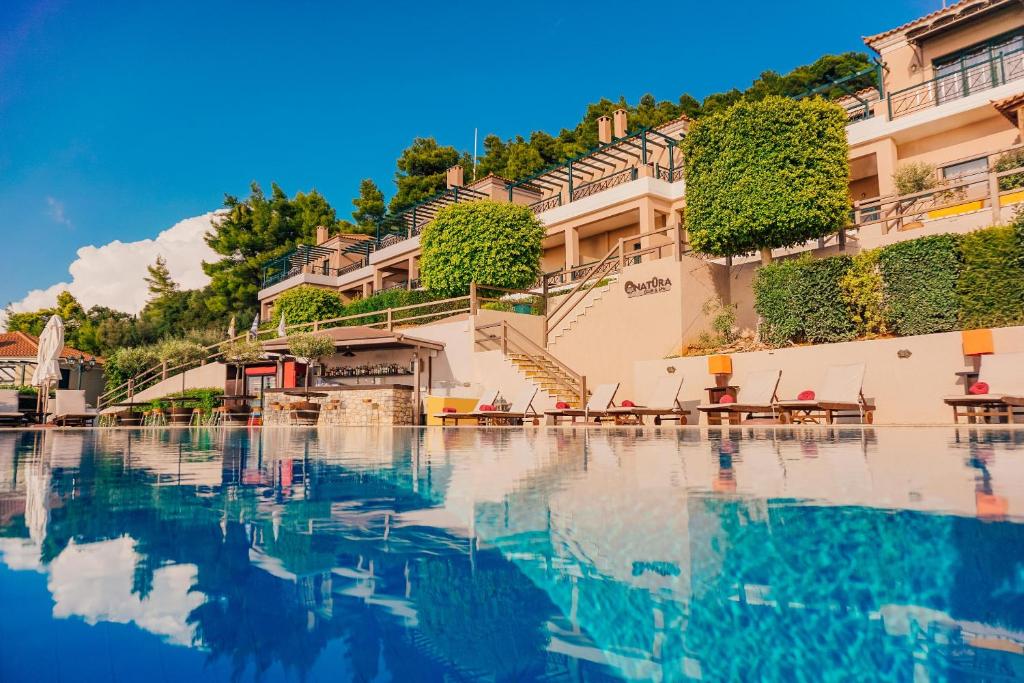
[{"x": 512, "y": 555}]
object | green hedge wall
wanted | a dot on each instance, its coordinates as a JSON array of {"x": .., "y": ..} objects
[
  {"x": 931, "y": 284},
  {"x": 991, "y": 284},
  {"x": 920, "y": 277},
  {"x": 801, "y": 300}
]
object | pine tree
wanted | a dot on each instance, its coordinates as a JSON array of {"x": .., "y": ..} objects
[
  {"x": 370, "y": 208},
  {"x": 159, "y": 280}
]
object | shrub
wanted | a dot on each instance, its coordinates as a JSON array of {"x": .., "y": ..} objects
[
  {"x": 306, "y": 304},
  {"x": 487, "y": 242},
  {"x": 1008, "y": 161},
  {"x": 179, "y": 352},
  {"x": 862, "y": 291},
  {"x": 991, "y": 284},
  {"x": 310, "y": 346},
  {"x": 241, "y": 351},
  {"x": 126, "y": 363},
  {"x": 22, "y": 388},
  {"x": 801, "y": 300},
  {"x": 920, "y": 278},
  {"x": 771, "y": 173},
  {"x": 915, "y": 176},
  {"x": 203, "y": 398}
]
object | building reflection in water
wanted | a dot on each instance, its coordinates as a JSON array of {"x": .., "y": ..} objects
[{"x": 522, "y": 554}]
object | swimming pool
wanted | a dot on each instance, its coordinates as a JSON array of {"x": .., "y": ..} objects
[{"x": 509, "y": 554}]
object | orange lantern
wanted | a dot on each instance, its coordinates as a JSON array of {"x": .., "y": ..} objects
[
  {"x": 720, "y": 365},
  {"x": 977, "y": 342}
]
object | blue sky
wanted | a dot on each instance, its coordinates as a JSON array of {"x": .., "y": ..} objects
[{"x": 119, "y": 119}]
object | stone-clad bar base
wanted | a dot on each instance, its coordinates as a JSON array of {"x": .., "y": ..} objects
[{"x": 347, "y": 406}]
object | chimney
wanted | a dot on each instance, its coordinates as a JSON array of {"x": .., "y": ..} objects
[
  {"x": 455, "y": 177},
  {"x": 321, "y": 234},
  {"x": 604, "y": 130},
  {"x": 619, "y": 115}
]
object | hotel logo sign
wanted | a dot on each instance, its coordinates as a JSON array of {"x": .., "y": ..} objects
[{"x": 653, "y": 286}]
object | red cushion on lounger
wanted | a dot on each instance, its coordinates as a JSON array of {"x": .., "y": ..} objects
[
  {"x": 562, "y": 405},
  {"x": 805, "y": 395},
  {"x": 448, "y": 409},
  {"x": 628, "y": 404},
  {"x": 726, "y": 398},
  {"x": 486, "y": 407},
  {"x": 979, "y": 388}
]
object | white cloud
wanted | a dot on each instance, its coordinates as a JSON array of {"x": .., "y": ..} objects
[
  {"x": 113, "y": 274},
  {"x": 56, "y": 211}
]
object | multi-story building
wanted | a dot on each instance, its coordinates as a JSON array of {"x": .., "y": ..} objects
[{"x": 949, "y": 94}]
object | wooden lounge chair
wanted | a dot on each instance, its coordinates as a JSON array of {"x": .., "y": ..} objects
[
  {"x": 519, "y": 411},
  {"x": 839, "y": 395},
  {"x": 756, "y": 395},
  {"x": 9, "y": 412},
  {"x": 601, "y": 399},
  {"x": 70, "y": 408},
  {"x": 488, "y": 397},
  {"x": 663, "y": 404},
  {"x": 1004, "y": 375}
]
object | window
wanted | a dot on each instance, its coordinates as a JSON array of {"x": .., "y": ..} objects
[
  {"x": 965, "y": 168},
  {"x": 979, "y": 67}
]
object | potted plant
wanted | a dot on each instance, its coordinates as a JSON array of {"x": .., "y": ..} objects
[{"x": 310, "y": 348}]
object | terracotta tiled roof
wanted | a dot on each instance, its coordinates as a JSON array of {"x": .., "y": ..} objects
[
  {"x": 24, "y": 345},
  {"x": 951, "y": 11},
  {"x": 679, "y": 119},
  {"x": 1009, "y": 107}
]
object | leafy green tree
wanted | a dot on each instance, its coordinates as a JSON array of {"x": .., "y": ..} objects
[
  {"x": 421, "y": 171},
  {"x": 766, "y": 174},
  {"x": 252, "y": 231},
  {"x": 370, "y": 208},
  {"x": 306, "y": 304},
  {"x": 487, "y": 242}
]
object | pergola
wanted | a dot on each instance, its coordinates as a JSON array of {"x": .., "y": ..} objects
[
  {"x": 605, "y": 166},
  {"x": 409, "y": 222}
]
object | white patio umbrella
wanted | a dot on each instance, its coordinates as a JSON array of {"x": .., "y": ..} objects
[
  {"x": 281, "y": 326},
  {"x": 51, "y": 343},
  {"x": 255, "y": 329},
  {"x": 231, "y": 328}
]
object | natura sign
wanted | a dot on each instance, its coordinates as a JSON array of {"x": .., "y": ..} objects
[{"x": 652, "y": 286}]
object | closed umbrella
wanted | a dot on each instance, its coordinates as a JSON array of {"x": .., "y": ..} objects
[
  {"x": 280, "y": 326},
  {"x": 255, "y": 329},
  {"x": 231, "y": 328},
  {"x": 51, "y": 343}
]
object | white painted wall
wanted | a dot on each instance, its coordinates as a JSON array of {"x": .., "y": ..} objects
[
  {"x": 206, "y": 376},
  {"x": 905, "y": 391}
]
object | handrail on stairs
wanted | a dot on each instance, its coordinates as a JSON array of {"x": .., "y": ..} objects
[
  {"x": 509, "y": 336},
  {"x": 613, "y": 261}
]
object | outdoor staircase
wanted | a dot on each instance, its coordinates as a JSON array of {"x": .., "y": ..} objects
[
  {"x": 547, "y": 377},
  {"x": 532, "y": 361},
  {"x": 591, "y": 299}
]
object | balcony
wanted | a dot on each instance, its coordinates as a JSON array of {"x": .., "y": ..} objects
[
  {"x": 410, "y": 222},
  {"x": 602, "y": 168},
  {"x": 302, "y": 259},
  {"x": 997, "y": 70}
]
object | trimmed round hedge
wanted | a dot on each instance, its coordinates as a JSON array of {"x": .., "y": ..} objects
[{"x": 491, "y": 243}]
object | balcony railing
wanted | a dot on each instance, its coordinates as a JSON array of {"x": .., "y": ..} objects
[
  {"x": 410, "y": 222},
  {"x": 999, "y": 69},
  {"x": 304, "y": 258},
  {"x": 987, "y": 190},
  {"x": 604, "y": 167}
]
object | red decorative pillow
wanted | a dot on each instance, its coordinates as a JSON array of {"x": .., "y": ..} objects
[
  {"x": 805, "y": 395},
  {"x": 487, "y": 407},
  {"x": 727, "y": 398},
  {"x": 562, "y": 405},
  {"x": 628, "y": 404},
  {"x": 448, "y": 409},
  {"x": 979, "y": 388}
]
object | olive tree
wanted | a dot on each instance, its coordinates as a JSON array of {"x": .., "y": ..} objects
[
  {"x": 310, "y": 347},
  {"x": 486, "y": 242},
  {"x": 766, "y": 174}
]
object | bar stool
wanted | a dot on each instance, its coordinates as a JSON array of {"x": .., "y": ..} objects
[
  {"x": 196, "y": 418},
  {"x": 216, "y": 416}
]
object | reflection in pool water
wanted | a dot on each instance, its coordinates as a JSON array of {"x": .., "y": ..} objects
[{"x": 499, "y": 554}]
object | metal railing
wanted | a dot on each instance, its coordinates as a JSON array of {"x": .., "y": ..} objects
[
  {"x": 670, "y": 175},
  {"x": 995, "y": 71},
  {"x": 547, "y": 203},
  {"x": 512, "y": 341},
  {"x": 602, "y": 184}
]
